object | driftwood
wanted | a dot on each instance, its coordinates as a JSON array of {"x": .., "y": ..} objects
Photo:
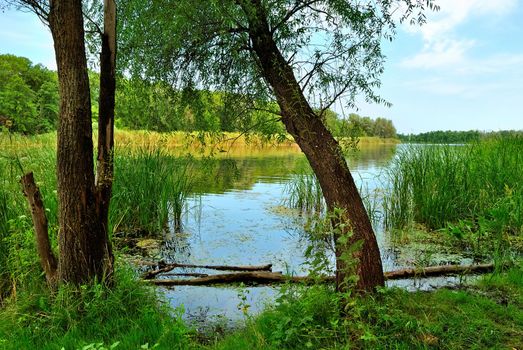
[
  {"x": 265, "y": 277},
  {"x": 169, "y": 267},
  {"x": 259, "y": 277},
  {"x": 438, "y": 271},
  {"x": 188, "y": 274}
]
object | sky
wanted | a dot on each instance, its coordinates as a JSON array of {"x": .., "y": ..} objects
[{"x": 462, "y": 70}]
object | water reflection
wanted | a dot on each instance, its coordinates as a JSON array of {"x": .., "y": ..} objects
[{"x": 234, "y": 221}]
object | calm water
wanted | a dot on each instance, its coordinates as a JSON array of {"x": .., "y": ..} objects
[{"x": 238, "y": 220}]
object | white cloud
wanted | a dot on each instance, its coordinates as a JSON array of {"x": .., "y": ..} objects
[
  {"x": 442, "y": 53},
  {"x": 507, "y": 63},
  {"x": 453, "y": 13},
  {"x": 442, "y": 48}
]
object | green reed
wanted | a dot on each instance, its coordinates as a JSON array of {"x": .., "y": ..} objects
[
  {"x": 150, "y": 188},
  {"x": 304, "y": 192},
  {"x": 438, "y": 185}
]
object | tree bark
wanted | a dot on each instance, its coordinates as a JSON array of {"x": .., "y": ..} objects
[
  {"x": 83, "y": 244},
  {"x": 47, "y": 259},
  {"x": 322, "y": 151},
  {"x": 106, "y": 104}
]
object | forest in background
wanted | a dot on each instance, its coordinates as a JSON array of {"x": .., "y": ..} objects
[
  {"x": 454, "y": 137},
  {"x": 29, "y": 105}
]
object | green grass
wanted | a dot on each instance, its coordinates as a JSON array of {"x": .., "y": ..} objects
[
  {"x": 473, "y": 318},
  {"x": 435, "y": 185},
  {"x": 149, "y": 188},
  {"x": 304, "y": 192},
  {"x": 129, "y": 314}
]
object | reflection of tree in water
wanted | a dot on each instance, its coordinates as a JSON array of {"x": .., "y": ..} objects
[
  {"x": 368, "y": 156},
  {"x": 221, "y": 175}
]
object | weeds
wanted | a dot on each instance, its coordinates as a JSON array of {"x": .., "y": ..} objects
[
  {"x": 309, "y": 318},
  {"x": 434, "y": 185},
  {"x": 304, "y": 193}
]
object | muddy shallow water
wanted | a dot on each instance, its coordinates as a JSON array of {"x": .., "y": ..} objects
[{"x": 243, "y": 221}]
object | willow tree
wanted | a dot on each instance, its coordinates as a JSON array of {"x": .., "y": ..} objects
[
  {"x": 83, "y": 197},
  {"x": 304, "y": 54}
]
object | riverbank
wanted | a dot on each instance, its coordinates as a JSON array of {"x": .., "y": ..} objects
[
  {"x": 485, "y": 315},
  {"x": 237, "y": 217},
  {"x": 219, "y": 144}
]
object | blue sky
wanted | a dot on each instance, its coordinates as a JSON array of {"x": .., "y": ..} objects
[{"x": 462, "y": 70}]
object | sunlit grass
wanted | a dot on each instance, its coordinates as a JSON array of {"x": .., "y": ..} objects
[
  {"x": 487, "y": 316},
  {"x": 435, "y": 185}
]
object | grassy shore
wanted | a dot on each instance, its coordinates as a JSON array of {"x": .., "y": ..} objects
[
  {"x": 131, "y": 315},
  {"x": 473, "y": 193},
  {"x": 486, "y": 315}
]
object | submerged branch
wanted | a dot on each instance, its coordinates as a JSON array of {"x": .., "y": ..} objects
[
  {"x": 169, "y": 267},
  {"x": 267, "y": 277}
]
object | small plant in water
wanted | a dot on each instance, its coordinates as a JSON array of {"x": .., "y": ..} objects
[
  {"x": 304, "y": 192},
  {"x": 243, "y": 305}
]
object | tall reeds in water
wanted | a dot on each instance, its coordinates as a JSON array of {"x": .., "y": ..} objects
[
  {"x": 439, "y": 185},
  {"x": 150, "y": 191},
  {"x": 304, "y": 193}
]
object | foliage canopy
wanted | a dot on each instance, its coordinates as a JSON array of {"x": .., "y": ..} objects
[{"x": 333, "y": 46}]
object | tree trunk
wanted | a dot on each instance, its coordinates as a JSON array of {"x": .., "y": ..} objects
[
  {"x": 106, "y": 103},
  {"x": 321, "y": 149},
  {"x": 83, "y": 244}
]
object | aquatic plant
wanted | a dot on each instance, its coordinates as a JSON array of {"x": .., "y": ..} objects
[
  {"x": 304, "y": 193},
  {"x": 472, "y": 192},
  {"x": 435, "y": 185},
  {"x": 149, "y": 189}
]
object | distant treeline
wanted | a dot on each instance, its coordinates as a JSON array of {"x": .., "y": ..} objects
[
  {"x": 29, "y": 105},
  {"x": 357, "y": 126},
  {"x": 450, "y": 137}
]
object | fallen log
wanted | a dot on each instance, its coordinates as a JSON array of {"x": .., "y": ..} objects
[
  {"x": 258, "y": 277},
  {"x": 170, "y": 267},
  {"x": 433, "y": 271},
  {"x": 265, "y": 277},
  {"x": 188, "y": 274}
]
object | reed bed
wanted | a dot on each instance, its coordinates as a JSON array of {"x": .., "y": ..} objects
[
  {"x": 150, "y": 186},
  {"x": 304, "y": 193},
  {"x": 149, "y": 191},
  {"x": 203, "y": 144},
  {"x": 441, "y": 185}
]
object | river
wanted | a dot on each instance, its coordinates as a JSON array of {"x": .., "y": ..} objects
[{"x": 239, "y": 218}]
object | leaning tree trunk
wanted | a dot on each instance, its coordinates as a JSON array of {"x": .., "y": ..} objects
[
  {"x": 322, "y": 151},
  {"x": 83, "y": 244}
]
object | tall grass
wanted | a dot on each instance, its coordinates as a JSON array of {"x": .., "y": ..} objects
[
  {"x": 150, "y": 188},
  {"x": 304, "y": 193},
  {"x": 438, "y": 185},
  {"x": 310, "y": 318},
  {"x": 128, "y": 315}
]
